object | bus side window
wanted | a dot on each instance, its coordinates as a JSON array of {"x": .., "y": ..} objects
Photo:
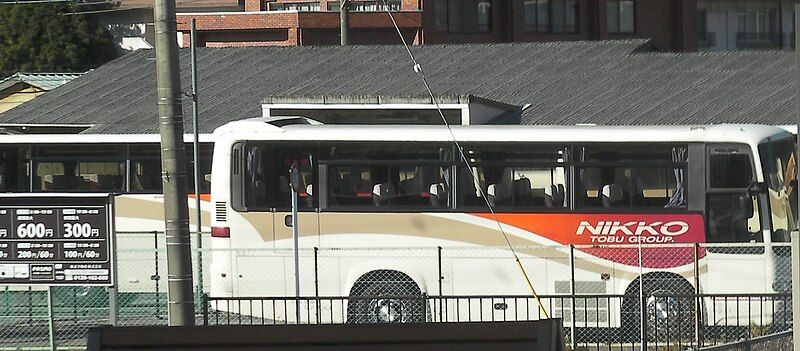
[
  {"x": 513, "y": 177},
  {"x": 732, "y": 213},
  {"x": 8, "y": 170},
  {"x": 146, "y": 176},
  {"x": 253, "y": 162},
  {"x": 635, "y": 176},
  {"x": 730, "y": 171},
  {"x": 302, "y": 159}
]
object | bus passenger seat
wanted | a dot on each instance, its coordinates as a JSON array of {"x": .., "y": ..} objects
[
  {"x": 259, "y": 192},
  {"x": 310, "y": 195},
  {"x": 283, "y": 185},
  {"x": 438, "y": 195},
  {"x": 523, "y": 194},
  {"x": 108, "y": 182},
  {"x": 612, "y": 195},
  {"x": 381, "y": 193},
  {"x": 638, "y": 198},
  {"x": 553, "y": 197},
  {"x": 491, "y": 192},
  {"x": 66, "y": 182},
  {"x": 497, "y": 194}
]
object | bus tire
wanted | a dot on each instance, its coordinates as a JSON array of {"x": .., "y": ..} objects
[
  {"x": 670, "y": 314},
  {"x": 385, "y": 296}
]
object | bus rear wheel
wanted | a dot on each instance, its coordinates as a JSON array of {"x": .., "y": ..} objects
[
  {"x": 385, "y": 296},
  {"x": 669, "y": 309}
]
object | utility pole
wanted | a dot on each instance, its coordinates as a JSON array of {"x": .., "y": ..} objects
[
  {"x": 344, "y": 22},
  {"x": 173, "y": 167}
]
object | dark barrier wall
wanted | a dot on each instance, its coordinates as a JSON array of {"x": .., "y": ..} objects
[{"x": 543, "y": 335}]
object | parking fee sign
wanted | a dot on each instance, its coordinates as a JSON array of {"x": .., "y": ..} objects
[{"x": 56, "y": 239}]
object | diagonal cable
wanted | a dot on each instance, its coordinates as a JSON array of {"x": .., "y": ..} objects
[{"x": 418, "y": 70}]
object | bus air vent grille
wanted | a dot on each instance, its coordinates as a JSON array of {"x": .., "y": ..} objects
[{"x": 221, "y": 212}]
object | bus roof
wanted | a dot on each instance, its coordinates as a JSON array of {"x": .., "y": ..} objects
[
  {"x": 20, "y": 139},
  {"x": 258, "y": 129}
]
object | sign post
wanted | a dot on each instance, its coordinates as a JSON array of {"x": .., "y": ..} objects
[
  {"x": 57, "y": 240},
  {"x": 294, "y": 176}
]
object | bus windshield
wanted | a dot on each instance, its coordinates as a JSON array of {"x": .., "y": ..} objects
[{"x": 780, "y": 173}]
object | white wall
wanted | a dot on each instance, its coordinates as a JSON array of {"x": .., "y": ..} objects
[{"x": 131, "y": 29}]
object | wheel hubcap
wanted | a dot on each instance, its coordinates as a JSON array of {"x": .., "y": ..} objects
[
  {"x": 388, "y": 311},
  {"x": 662, "y": 311}
]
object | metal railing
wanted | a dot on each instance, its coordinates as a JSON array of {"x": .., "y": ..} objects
[
  {"x": 140, "y": 294},
  {"x": 591, "y": 321}
]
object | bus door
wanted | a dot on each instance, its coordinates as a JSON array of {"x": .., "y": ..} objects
[{"x": 733, "y": 220}]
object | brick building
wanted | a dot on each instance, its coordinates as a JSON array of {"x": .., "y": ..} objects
[{"x": 670, "y": 23}]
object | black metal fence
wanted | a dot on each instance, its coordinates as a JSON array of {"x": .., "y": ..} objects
[
  {"x": 592, "y": 322},
  {"x": 774, "y": 342}
]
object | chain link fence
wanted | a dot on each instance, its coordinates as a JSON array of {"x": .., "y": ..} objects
[
  {"x": 36, "y": 318},
  {"x": 622, "y": 280}
]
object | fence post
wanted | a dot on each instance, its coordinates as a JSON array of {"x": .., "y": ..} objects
[
  {"x": 316, "y": 283},
  {"x": 795, "y": 245},
  {"x": 30, "y": 305},
  {"x": 51, "y": 328},
  {"x": 155, "y": 276},
  {"x": 439, "y": 258},
  {"x": 572, "y": 338},
  {"x": 440, "y": 278},
  {"x": 642, "y": 300},
  {"x": 697, "y": 299},
  {"x": 205, "y": 308},
  {"x": 113, "y": 307},
  {"x": 316, "y": 271},
  {"x": 643, "y": 312},
  {"x": 424, "y": 304}
]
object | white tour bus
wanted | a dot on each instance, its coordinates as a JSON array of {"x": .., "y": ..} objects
[
  {"x": 728, "y": 188},
  {"x": 126, "y": 165}
]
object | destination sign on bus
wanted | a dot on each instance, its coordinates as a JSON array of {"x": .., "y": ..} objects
[{"x": 66, "y": 244}]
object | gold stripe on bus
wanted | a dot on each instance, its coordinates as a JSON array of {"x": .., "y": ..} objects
[
  {"x": 438, "y": 227},
  {"x": 131, "y": 207}
]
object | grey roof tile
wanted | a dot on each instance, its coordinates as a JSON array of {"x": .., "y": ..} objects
[{"x": 612, "y": 82}]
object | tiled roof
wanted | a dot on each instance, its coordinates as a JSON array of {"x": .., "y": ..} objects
[
  {"x": 44, "y": 81},
  {"x": 602, "y": 82},
  {"x": 179, "y": 4}
]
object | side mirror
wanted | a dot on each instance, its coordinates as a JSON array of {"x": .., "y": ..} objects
[{"x": 756, "y": 188}]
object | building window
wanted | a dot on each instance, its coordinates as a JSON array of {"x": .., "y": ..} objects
[
  {"x": 464, "y": 16},
  {"x": 621, "y": 16},
  {"x": 291, "y": 6},
  {"x": 368, "y": 6},
  {"x": 705, "y": 39},
  {"x": 484, "y": 17},
  {"x": 551, "y": 16},
  {"x": 758, "y": 26}
]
